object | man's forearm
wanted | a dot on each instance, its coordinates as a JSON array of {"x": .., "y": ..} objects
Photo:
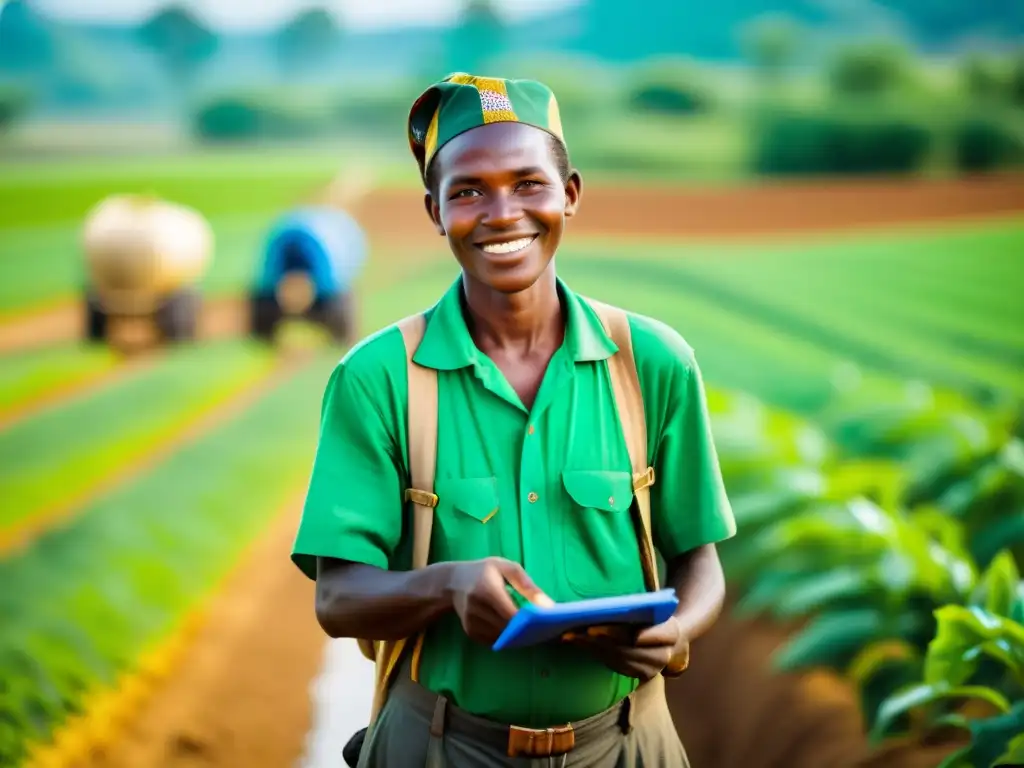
[
  {"x": 699, "y": 583},
  {"x": 356, "y": 600}
]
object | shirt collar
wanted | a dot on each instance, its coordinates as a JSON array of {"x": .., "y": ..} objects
[{"x": 447, "y": 344}]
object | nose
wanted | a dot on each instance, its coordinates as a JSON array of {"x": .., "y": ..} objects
[{"x": 502, "y": 211}]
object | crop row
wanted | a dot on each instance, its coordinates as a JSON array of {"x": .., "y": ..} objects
[
  {"x": 62, "y": 453},
  {"x": 84, "y": 604},
  {"x": 36, "y": 375}
]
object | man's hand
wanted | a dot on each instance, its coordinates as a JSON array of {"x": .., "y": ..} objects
[
  {"x": 480, "y": 599},
  {"x": 643, "y": 658}
]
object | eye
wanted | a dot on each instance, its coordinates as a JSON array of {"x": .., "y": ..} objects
[
  {"x": 463, "y": 193},
  {"x": 530, "y": 184}
]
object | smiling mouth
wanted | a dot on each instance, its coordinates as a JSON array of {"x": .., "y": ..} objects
[{"x": 509, "y": 246}]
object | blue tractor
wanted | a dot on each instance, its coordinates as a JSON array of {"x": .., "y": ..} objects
[{"x": 311, "y": 259}]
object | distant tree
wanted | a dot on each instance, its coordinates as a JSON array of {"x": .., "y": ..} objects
[
  {"x": 14, "y": 103},
  {"x": 182, "y": 42},
  {"x": 870, "y": 69},
  {"x": 770, "y": 43},
  {"x": 478, "y": 36},
  {"x": 986, "y": 79},
  {"x": 308, "y": 40},
  {"x": 1017, "y": 80}
]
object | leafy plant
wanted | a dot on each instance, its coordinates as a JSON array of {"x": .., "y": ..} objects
[
  {"x": 965, "y": 461},
  {"x": 976, "y": 654}
]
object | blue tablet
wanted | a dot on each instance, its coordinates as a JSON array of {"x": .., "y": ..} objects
[{"x": 533, "y": 624}]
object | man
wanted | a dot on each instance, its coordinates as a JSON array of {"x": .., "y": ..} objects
[{"x": 533, "y": 477}]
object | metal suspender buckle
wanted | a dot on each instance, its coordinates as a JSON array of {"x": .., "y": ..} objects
[
  {"x": 643, "y": 480},
  {"x": 422, "y": 498}
]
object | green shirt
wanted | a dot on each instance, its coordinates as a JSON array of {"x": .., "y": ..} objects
[{"x": 549, "y": 487}]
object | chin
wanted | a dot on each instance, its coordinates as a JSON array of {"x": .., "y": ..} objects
[{"x": 510, "y": 279}]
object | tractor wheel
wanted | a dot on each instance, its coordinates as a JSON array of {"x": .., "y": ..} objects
[
  {"x": 95, "y": 319},
  {"x": 178, "y": 318},
  {"x": 264, "y": 315},
  {"x": 338, "y": 315}
]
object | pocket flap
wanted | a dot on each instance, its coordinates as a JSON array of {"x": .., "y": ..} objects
[
  {"x": 599, "y": 489},
  {"x": 473, "y": 496}
]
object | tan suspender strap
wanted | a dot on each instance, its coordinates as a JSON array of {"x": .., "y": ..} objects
[
  {"x": 422, "y": 437},
  {"x": 422, "y": 442},
  {"x": 629, "y": 400}
]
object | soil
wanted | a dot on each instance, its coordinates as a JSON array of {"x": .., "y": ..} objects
[
  {"x": 392, "y": 216},
  {"x": 241, "y": 695}
]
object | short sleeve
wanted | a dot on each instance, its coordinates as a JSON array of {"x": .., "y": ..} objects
[
  {"x": 353, "y": 508},
  {"x": 689, "y": 505}
]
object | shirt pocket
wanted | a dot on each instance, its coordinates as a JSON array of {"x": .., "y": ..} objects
[
  {"x": 602, "y": 557},
  {"x": 466, "y": 514}
]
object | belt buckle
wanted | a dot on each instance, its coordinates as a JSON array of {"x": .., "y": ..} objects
[{"x": 540, "y": 742}]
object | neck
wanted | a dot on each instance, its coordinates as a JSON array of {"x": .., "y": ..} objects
[{"x": 523, "y": 321}]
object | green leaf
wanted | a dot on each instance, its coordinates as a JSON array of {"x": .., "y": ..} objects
[
  {"x": 991, "y": 737},
  {"x": 1014, "y": 754},
  {"x": 997, "y": 587},
  {"x": 765, "y": 592},
  {"x": 757, "y": 508},
  {"x": 962, "y": 636},
  {"x": 1006, "y": 531},
  {"x": 957, "y": 760},
  {"x": 830, "y": 637},
  {"x": 819, "y": 590},
  {"x": 921, "y": 694},
  {"x": 877, "y": 655},
  {"x": 1017, "y": 607}
]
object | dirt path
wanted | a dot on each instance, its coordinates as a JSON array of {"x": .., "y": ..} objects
[
  {"x": 240, "y": 696},
  {"x": 395, "y": 216}
]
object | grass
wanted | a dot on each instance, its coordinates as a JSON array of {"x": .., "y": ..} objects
[{"x": 61, "y": 453}]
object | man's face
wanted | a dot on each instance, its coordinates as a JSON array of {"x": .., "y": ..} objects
[{"x": 502, "y": 203}]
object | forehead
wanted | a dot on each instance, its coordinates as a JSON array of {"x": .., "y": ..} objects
[{"x": 495, "y": 148}]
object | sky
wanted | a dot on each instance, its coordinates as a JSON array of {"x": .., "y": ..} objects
[{"x": 256, "y": 14}]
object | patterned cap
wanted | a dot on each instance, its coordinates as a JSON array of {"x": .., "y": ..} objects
[{"x": 461, "y": 102}]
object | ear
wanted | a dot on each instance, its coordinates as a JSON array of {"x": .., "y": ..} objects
[
  {"x": 573, "y": 192},
  {"x": 433, "y": 211}
]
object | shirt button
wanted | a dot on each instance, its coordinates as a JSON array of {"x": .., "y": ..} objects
[
  {"x": 532, "y": 497},
  {"x": 611, "y": 500},
  {"x": 530, "y": 430}
]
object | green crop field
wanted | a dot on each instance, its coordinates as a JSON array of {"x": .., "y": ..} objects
[
  {"x": 137, "y": 575},
  {"x": 865, "y": 392},
  {"x": 63, "y": 451}
]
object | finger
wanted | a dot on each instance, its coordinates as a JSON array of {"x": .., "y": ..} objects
[
  {"x": 640, "y": 663},
  {"x": 523, "y": 584},
  {"x": 497, "y": 597},
  {"x": 486, "y": 627},
  {"x": 666, "y": 633}
]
